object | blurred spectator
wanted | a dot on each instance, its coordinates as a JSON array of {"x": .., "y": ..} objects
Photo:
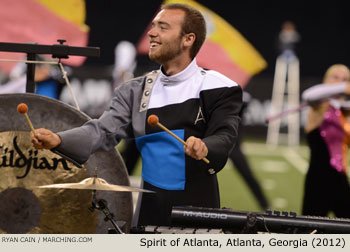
[
  {"x": 45, "y": 78},
  {"x": 288, "y": 39},
  {"x": 124, "y": 62}
]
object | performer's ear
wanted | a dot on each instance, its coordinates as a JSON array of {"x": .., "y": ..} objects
[{"x": 189, "y": 39}]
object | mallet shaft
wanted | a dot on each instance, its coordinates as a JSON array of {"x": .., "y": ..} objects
[
  {"x": 178, "y": 138},
  {"x": 30, "y": 125}
]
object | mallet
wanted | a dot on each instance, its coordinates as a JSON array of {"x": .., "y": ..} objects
[
  {"x": 23, "y": 109},
  {"x": 153, "y": 120}
]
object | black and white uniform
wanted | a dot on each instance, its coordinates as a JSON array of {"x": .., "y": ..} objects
[{"x": 194, "y": 102}]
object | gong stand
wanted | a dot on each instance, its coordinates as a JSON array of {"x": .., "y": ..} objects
[
  {"x": 60, "y": 51},
  {"x": 101, "y": 204}
]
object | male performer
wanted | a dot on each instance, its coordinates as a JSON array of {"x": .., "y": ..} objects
[{"x": 200, "y": 106}]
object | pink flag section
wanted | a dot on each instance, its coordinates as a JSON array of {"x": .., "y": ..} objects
[
  {"x": 213, "y": 56},
  {"x": 23, "y": 21}
]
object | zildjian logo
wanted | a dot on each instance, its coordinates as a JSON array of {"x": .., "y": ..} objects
[{"x": 8, "y": 160}]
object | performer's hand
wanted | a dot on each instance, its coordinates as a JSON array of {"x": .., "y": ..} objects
[
  {"x": 196, "y": 148},
  {"x": 45, "y": 139}
]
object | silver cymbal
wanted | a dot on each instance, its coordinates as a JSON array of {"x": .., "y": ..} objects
[{"x": 96, "y": 184}]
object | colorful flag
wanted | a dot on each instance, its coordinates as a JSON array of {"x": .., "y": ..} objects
[
  {"x": 225, "y": 49},
  {"x": 42, "y": 22}
]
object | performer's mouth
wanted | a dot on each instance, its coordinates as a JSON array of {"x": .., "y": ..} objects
[{"x": 154, "y": 44}]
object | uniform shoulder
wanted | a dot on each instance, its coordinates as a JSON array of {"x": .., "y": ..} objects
[
  {"x": 136, "y": 84},
  {"x": 216, "y": 79},
  {"x": 152, "y": 74}
]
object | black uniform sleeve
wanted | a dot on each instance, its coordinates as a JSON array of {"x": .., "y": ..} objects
[{"x": 221, "y": 109}]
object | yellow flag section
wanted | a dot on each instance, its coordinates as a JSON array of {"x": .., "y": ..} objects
[
  {"x": 225, "y": 49},
  {"x": 70, "y": 10}
]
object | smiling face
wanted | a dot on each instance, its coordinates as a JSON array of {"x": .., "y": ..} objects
[{"x": 166, "y": 40}]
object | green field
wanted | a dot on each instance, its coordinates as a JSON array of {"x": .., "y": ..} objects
[{"x": 280, "y": 171}]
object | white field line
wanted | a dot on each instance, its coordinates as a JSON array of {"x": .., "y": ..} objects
[
  {"x": 288, "y": 153},
  {"x": 274, "y": 166},
  {"x": 294, "y": 159}
]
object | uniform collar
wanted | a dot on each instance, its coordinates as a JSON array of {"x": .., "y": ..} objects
[{"x": 179, "y": 77}]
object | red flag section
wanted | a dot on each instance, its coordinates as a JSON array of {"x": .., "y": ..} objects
[{"x": 23, "y": 21}]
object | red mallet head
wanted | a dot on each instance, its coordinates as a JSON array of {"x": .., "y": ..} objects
[
  {"x": 22, "y": 108},
  {"x": 153, "y": 120}
]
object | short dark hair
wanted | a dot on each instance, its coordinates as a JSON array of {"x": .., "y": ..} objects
[{"x": 194, "y": 22}]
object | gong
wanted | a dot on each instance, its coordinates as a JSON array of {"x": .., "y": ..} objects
[{"x": 25, "y": 208}]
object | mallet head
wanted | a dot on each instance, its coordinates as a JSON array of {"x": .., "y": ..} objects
[
  {"x": 153, "y": 120},
  {"x": 22, "y": 108}
]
